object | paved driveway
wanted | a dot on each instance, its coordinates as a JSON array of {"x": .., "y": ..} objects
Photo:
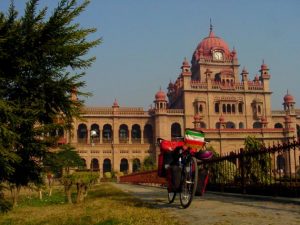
[{"x": 214, "y": 209}]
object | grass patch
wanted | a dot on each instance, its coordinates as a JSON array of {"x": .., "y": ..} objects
[{"x": 105, "y": 205}]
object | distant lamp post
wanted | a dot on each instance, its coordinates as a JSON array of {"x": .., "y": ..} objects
[{"x": 93, "y": 135}]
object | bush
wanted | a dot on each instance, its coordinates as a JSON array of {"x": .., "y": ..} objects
[{"x": 108, "y": 175}]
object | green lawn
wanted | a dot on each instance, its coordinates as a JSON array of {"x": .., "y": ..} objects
[{"x": 105, "y": 204}]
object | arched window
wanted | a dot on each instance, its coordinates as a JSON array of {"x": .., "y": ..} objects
[
  {"x": 136, "y": 165},
  {"x": 217, "y": 107},
  {"x": 106, "y": 165},
  {"x": 230, "y": 125},
  {"x": 95, "y": 133},
  {"x": 278, "y": 125},
  {"x": 217, "y": 77},
  {"x": 240, "y": 107},
  {"x": 233, "y": 108},
  {"x": 224, "y": 108},
  {"x": 148, "y": 134},
  {"x": 257, "y": 125},
  {"x": 123, "y": 133},
  {"x": 82, "y": 133},
  {"x": 228, "y": 108},
  {"x": 259, "y": 109},
  {"x": 200, "y": 108},
  {"x": 83, "y": 164},
  {"x": 95, "y": 165},
  {"x": 175, "y": 130},
  {"x": 202, "y": 125},
  {"x": 241, "y": 125},
  {"x": 136, "y": 133},
  {"x": 124, "y": 166},
  {"x": 107, "y": 133}
]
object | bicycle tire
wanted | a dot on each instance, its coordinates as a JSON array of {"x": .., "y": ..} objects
[
  {"x": 189, "y": 183},
  {"x": 171, "y": 196}
]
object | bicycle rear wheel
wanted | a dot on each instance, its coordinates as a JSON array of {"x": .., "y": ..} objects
[{"x": 189, "y": 182}]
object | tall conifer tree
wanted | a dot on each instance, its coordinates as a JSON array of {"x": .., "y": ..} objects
[{"x": 42, "y": 62}]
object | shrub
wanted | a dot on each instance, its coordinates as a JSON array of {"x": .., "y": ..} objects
[{"x": 108, "y": 175}]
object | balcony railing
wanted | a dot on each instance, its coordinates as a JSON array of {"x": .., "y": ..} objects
[
  {"x": 123, "y": 140},
  {"x": 107, "y": 140},
  {"x": 136, "y": 140}
]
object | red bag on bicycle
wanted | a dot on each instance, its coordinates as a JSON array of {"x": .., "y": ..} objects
[{"x": 170, "y": 145}]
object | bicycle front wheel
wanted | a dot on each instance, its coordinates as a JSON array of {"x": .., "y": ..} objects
[{"x": 189, "y": 182}]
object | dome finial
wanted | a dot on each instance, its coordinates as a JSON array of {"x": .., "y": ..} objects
[{"x": 211, "y": 33}]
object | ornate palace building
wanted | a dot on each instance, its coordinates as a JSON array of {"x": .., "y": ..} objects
[{"x": 211, "y": 93}]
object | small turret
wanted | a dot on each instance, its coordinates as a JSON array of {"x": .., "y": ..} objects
[
  {"x": 289, "y": 103},
  {"x": 160, "y": 100}
]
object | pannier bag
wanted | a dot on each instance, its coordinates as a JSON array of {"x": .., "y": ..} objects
[
  {"x": 174, "y": 176},
  {"x": 166, "y": 156},
  {"x": 166, "y": 145},
  {"x": 164, "y": 161}
]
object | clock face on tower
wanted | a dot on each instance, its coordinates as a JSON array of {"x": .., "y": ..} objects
[{"x": 217, "y": 55}]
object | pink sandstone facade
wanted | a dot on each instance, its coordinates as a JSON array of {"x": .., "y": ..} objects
[{"x": 210, "y": 94}]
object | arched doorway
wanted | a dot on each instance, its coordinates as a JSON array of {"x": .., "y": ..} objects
[
  {"x": 278, "y": 125},
  {"x": 95, "y": 165},
  {"x": 136, "y": 165},
  {"x": 124, "y": 166},
  {"x": 257, "y": 125},
  {"x": 230, "y": 125},
  {"x": 83, "y": 166},
  {"x": 106, "y": 165}
]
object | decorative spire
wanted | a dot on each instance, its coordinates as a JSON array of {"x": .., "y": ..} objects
[
  {"x": 211, "y": 33},
  {"x": 115, "y": 104}
]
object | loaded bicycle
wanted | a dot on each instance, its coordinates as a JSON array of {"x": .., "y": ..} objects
[{"x": 178, "y": 164}]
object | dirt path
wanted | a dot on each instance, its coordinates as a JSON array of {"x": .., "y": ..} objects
[{"x": 213, "y": 209}]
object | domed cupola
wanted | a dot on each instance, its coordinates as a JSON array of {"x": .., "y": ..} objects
[
  {"x": 160, "y": 96},
  {"x": 160, "y": 100},
  {"x": 288, "y": 98},
  {"x": 289, "y": 103},
  {"x": 213, "y": 47}
]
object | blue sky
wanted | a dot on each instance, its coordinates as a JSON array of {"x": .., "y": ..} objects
[{"x": 145, "y": 42}]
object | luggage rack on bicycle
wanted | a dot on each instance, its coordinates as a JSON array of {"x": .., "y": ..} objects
[{"x": 178, "y": 161}]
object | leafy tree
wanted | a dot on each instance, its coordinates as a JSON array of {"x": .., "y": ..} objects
[
  {"x": 256, "y": 163},
  {"x": 41, "y": 63},
  {"x": 82, "y": 180},
  {"x": 149, "y": 163},
  {"x": 63, "y": 160}
]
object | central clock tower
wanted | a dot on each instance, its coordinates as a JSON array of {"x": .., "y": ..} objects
[{"x": 213, "y": 54}]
